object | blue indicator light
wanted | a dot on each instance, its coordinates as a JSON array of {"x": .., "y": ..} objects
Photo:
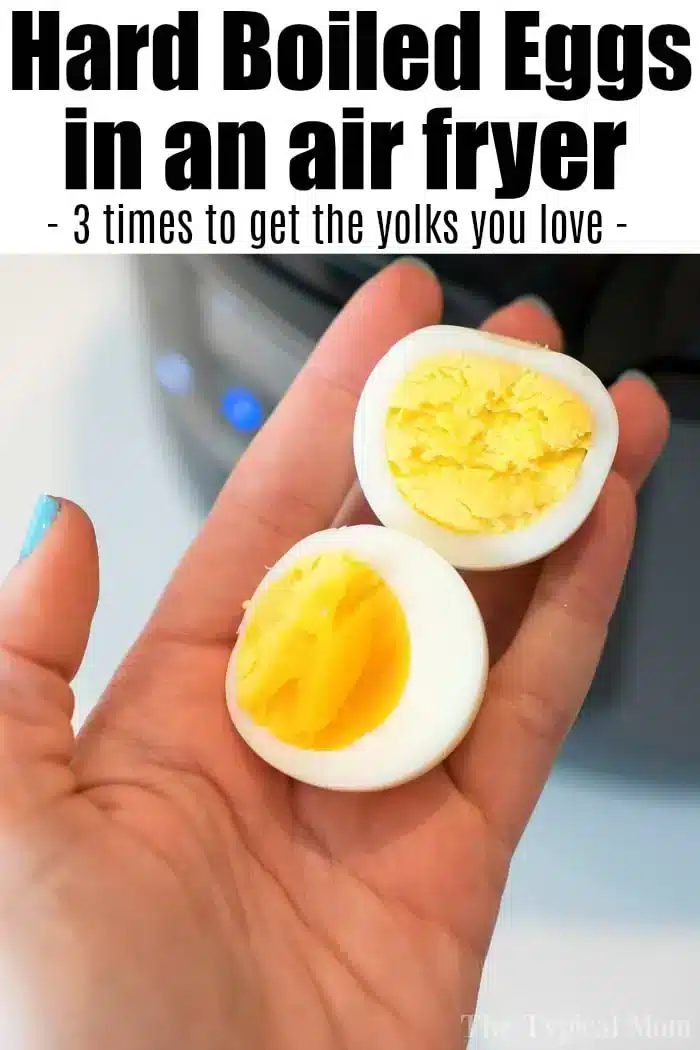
[
  {"x": 175, "y": 374},
  {"x": 242, "y": 410}
]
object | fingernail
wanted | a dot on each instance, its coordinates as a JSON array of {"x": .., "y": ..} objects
[
  {"x": 539, "y": 304},
  {"x": 635, "y": 373},
  {"x": 413, "y": 260},
  {"x": 45, "y": 514}
]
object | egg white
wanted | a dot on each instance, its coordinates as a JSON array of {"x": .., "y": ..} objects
[
  {"x": 486, "y": 552},
  {"x": 449, "y": 665}
]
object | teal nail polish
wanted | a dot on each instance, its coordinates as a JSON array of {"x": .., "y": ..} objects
[
  {"x": 413, "y": 260},
  {"x": 634, "y": 373},
  {"x": 45, "y": 514},
  {"x": 539, "y": 304}
]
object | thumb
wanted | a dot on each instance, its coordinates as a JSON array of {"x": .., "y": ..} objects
[{"x": 46, "y": 608}]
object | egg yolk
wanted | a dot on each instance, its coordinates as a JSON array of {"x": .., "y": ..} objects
[
  {"x": 324, "y": 657},
  {"x": 483, "y": 445}
]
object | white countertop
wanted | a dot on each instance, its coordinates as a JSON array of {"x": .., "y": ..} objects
[{"x": 599, "y": 938}]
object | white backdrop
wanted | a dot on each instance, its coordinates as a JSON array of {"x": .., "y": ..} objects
[{"x": 653, "y": 207}]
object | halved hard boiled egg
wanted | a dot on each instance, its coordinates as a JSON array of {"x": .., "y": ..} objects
[
  {"x": 491, "y": 451},
  {"x": 361, "y": 661}
]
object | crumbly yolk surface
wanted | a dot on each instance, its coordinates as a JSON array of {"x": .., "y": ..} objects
[
  {"x": 324, "y": 658},
  {"x": 483, "y": 445}
]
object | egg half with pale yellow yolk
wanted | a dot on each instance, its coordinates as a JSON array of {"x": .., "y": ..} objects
[
  {"x": 361, "y": 661},
  {"x": 491, "y": 451}
]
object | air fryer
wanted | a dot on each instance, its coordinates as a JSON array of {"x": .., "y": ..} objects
[{"x": 229, "y": 334}]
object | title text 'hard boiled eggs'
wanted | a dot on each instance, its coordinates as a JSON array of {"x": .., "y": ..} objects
[
  {"x": 361, "y": 661},
  {"x": 491, "y": 451}
]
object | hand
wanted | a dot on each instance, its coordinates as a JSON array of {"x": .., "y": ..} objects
[{"x": 160, "y": 887}]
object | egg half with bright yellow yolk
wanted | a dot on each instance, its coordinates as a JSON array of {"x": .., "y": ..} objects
[
  {"x": 361, "y": 661},
  {"x": 491, "y": 451}
]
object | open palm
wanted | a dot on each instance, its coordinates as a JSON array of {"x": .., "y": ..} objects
[{"x": 159, "y": 886}]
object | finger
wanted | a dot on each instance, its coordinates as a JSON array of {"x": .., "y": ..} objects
[
  {"x": 537, "y": 689},
  {"x": 355, "y": 510},
  {"x": 46, "y": 608},
  {"x": 291, "y": 482},
  {"x": 48, "y": 601},
  {"x": 295, "y": 476},
  {"x": 646, "y": 425},
  {"x": 530, "y": 320}
]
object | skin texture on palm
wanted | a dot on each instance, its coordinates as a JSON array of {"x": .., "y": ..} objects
[{"x": 160, "y": 886}]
